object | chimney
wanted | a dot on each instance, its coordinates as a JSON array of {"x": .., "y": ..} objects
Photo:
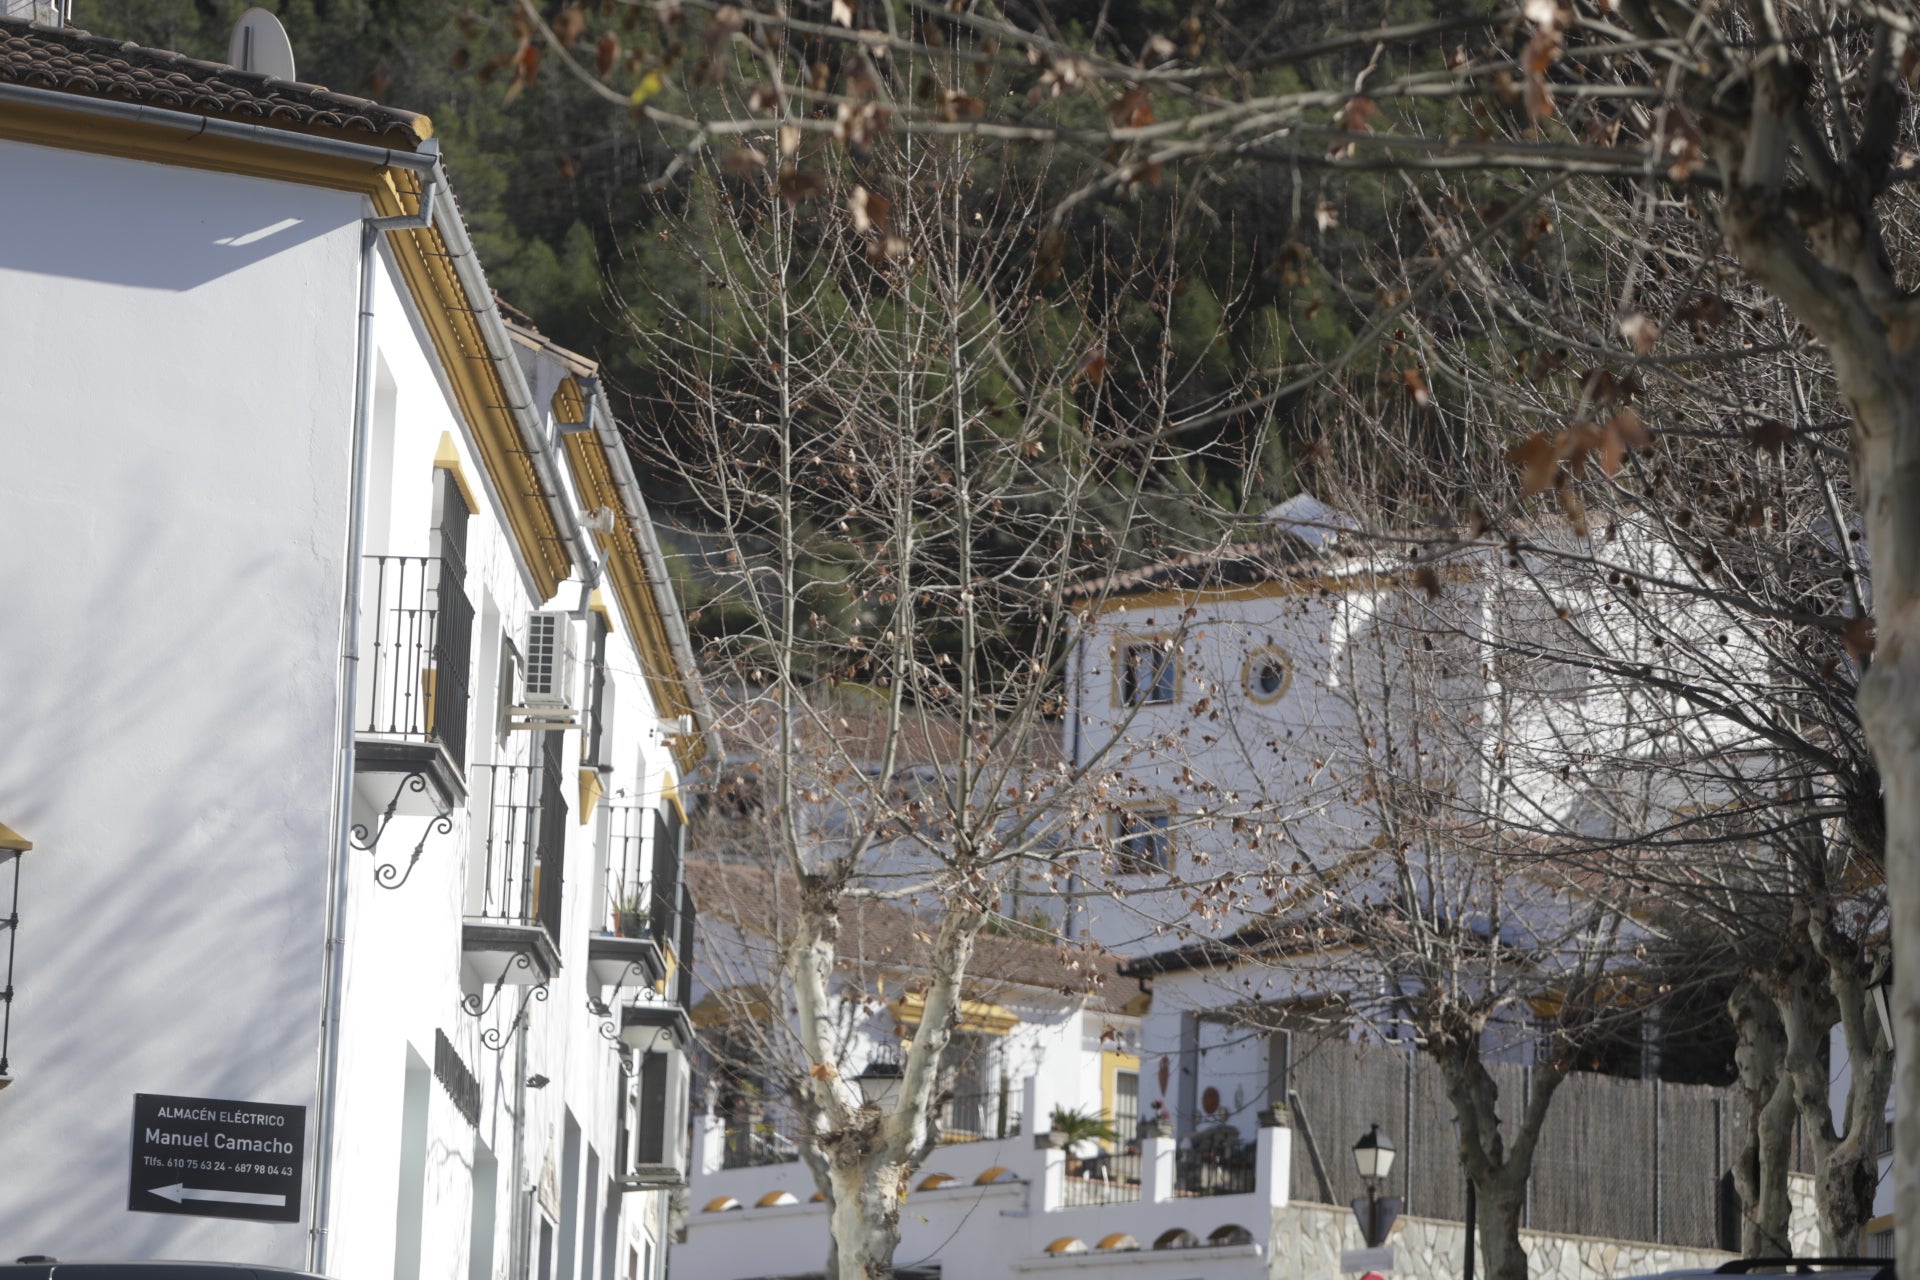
[{"x": 45, "y": 13}]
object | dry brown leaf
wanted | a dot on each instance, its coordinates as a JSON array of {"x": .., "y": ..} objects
[
  {"x": 1092, "y": 367},
  {"x": 744, "y": 162},
  {"x": 824, "y": 1071},
  {"x": 798, "y": 187},
  {"x": 886, "y": 248},
  {"x": 1773, "y": 435},
  {"x": 843, "y": 13},
  {"x": 1858, "y": 637},
  {"x": 1641, "y": 330},
  {"x": 956, "y": 106},
  {"x": 789, "y": 139},
  {"x": 526, "y": 66},
  {"x": 1624, "y": 433},
  {"x": 606, "y": 53},
  {"x": 1428, "y": 581},
  {"x": 1131, "y": 110},
  {"x": 1325, "y": 216},
  {"x": 569, "y": 25},
  {"x": 1416, "y": 388},
  {"x": 869, "y": 210},
  {"x": 1539, "y": 461},
  {"x": 1355, "y": 115}
]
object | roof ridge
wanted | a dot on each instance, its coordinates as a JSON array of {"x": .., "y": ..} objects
[{"x": 73, "y": 60}]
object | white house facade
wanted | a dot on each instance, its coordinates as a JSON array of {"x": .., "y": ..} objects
[{"x": 348, "y": 710}]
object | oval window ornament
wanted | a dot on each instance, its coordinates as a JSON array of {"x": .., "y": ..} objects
[{"x": 1267, "y": 674}]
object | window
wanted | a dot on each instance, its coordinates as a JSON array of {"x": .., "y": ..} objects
[
  {"x": 1147, "y": 673},
  {"x": 1267, "y": 674},
  {"x": 1143, "y": 841}
]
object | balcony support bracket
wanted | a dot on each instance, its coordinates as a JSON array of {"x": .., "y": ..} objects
[
  {"x": 493, "y": 1037},
  {"x": 391, "y": 875}
]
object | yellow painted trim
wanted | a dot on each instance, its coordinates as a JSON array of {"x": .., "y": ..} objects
[
  {"x": 13, "y": 841},
  {"x": 1149, "y": 805},
  {"x": 1138, "y": 1004},
  {"x": 426, "y": 266},
  {"x": 632, "y": 585},
  {"x": 1112, "y": 1063},
  {"x": 447, "y": 458},
  {"x": 1117, "y": 647},
  {"x": 975, "y": 1015},
  {"x": 670, "y": 792},
  {"x": 591, "y": 789},
  {"x": 597, "y": 603},
  {"x": 1882, "y": 1223},
  {"x": 1275, "y": 589},
  {"x": 717, "y": 1008},
  {"x": 47, "y": 126},
  {"x": 1249, "y": 667},
  {"x": 569, "y": 403}
]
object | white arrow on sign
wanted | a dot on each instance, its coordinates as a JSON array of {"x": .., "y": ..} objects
[{"x": 180, "y": 1191}]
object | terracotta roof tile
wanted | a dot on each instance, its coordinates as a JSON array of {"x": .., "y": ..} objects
[
  {"x": 71, "y": 61},
  {"x": 882, "y": 938},
  {"x": 1279, "y": 555}
]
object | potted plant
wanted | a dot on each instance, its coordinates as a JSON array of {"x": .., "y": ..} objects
[
  {"x": 630, "y": 911},
  {"x": 1079, "y": 1133}
]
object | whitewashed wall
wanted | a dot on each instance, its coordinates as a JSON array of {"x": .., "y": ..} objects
[
  {"x": 176, "y": 410},
  {"x": 176, "y": 398}
]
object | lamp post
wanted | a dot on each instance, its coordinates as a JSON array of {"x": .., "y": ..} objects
[
  {"x": 1373, "y": 1158},
  {"x": 879, "y": 1082}
]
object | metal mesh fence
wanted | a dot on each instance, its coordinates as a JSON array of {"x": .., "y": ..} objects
[{"x": 1624, "y": 1158}]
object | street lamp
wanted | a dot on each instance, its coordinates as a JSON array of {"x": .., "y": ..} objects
[
  {"x": 1373, "y": 1157},
  {"x": 879, "y": 1082}
]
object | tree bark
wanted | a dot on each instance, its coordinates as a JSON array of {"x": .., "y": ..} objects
[
  {"x": 1760, "y": 1166},
  {"x": 1501, "y": 1207},
  {"x": 1830, "y": 268},
  {"x": 1499, "y": 1170}
]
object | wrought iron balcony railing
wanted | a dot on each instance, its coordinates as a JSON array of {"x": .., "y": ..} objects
[
  {"x": 523, "y": 860},
  {"x": 416, "y": 649},
  {"x": 629, "y": 900}
]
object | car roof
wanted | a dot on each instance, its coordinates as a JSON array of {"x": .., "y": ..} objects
[
  {"x": 1815, "y": 1268},
  {"x": 49, "y": 1270}
]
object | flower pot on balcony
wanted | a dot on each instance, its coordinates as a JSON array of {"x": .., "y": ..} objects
[{"x": 631, "y": 924}]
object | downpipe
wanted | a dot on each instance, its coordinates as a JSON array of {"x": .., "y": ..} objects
[{"x": 340, "y": 831}]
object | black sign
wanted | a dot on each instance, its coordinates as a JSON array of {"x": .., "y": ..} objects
[
  {"x": 217, "y": 1159},
  {"x": 451, "y": 1070}
]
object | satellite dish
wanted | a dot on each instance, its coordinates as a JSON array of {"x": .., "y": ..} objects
[{"x": 260, "y": 44}]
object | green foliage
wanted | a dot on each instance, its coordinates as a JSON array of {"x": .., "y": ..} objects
[{"x": 1078, "y": 1125}]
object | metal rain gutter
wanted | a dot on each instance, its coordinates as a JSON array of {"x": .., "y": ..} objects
[
  {"x": 333, "y": 976},
  {"x": 618, "y": 461},
  {"x": 421, "y": 160},
  {"x": 493, "y": 331}
]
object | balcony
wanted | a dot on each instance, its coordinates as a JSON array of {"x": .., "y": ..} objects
[
  {"x": 410, "y": 706},
  {"x": 511, "y": 933},
  {"x": 623, "y": 952}
]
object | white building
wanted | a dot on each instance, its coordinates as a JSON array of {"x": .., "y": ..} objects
[
  {"x": 348, "y": 709},
  {"x": 1209, "y": 687}
]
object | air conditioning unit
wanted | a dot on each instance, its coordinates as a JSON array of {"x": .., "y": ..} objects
[{"x": 548, "y": 693}]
